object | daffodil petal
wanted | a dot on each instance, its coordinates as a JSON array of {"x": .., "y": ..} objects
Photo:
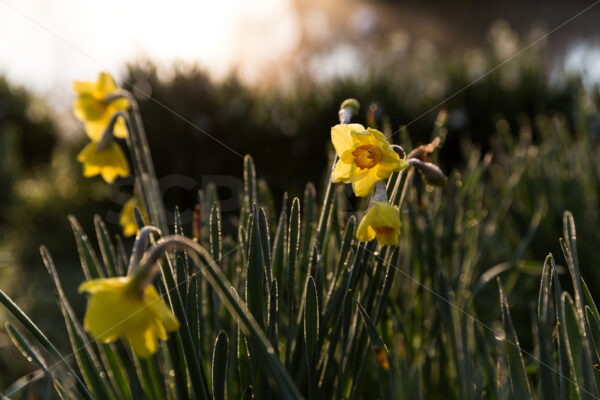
[
  {"x": 341, "y": 172},
  {"x": 365, "y": 233},
  {"x": 142, "y": 341},
  {"x": 380, "y": 215},
  {"x": 95, "y": 129},
  {"x": 127, "y": 216},
  {"x": 105, "y": 84},
  {"x": 377, "y": 136},
  {"x": 96, "y": 285},
  {"x": 110, "y": 162},
  {"x": 388, "y": 239},
  {"x": 160, "y": 309},
  {"x": 117, "y": 309},
  {"x": 105, "y": 315},
  {"x": 364, "y": 186},
  {"x": 385, "y": 215},
  {"x": 87, "y": 108},
  {"x": 120, "y": 129},
  {"x": 91, "y": 107},
  {"x": 341, "y": 136},
  {"x": 84, "y": 87}
]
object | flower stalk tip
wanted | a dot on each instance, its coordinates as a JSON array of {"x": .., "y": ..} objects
[
  {"x": 399, "y": 150},
  {"x": 348, "y": 109},
  {"x": 108, "y": 134}
]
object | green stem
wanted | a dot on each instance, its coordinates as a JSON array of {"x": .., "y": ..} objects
[{"x": 142, "y": 161}]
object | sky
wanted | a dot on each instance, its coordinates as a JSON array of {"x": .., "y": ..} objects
[{"x": 46, "y": 44}]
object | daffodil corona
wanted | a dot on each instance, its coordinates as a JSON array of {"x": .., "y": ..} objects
[
  {"x": 118, "y": 308},
  {"x": 109, "y": 162},
  {"x": 94, "y": 109},
  {"x": 381, "y": 222},
  {"x": 365, "y": 157},
  {"x": 127, "y": 216}
]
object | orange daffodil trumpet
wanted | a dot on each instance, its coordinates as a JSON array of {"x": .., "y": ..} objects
[
  {"x": 96, "y": 105},
  {"x": 118, "y": 308},
  {"x": 365, "y": 157}
]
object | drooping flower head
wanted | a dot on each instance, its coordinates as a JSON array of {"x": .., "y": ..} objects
[
  {"x": 92, "y": 108},
  {"x": 109, "y": 162},
  {"x": 117, "y": 308},
  {"x": 127, "y": 216},
  {"x": 381, "y": 222},
  {"x": 365, "y": 157}
]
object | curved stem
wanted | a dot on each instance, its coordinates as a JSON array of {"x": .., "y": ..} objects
[
  {"x": 281, "y": 379},
  {"x": 107, "y": 135},
  {"x": 407, "y": 182},
  {"x": 139, "y": 246}
]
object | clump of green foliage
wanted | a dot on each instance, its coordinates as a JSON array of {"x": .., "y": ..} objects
[
  {"x": 345, "y": 320},
  {"x": 294, "y": 306}
]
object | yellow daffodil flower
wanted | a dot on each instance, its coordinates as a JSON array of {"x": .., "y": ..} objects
[
  {"x": 382, "y": 221},
  {"x": 365, "y": 157},
  {"x": 116, "y": 308},
  {"x": 109, "y": 162},
  {"x": 127, "y": 216},
  {"x": 91, "y": 109}
]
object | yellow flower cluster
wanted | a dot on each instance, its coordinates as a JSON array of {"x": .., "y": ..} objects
[
  {"x": 121, "y": 307},
  {"x": 118, "y": 308},
  {"x": 95, "y": 111},
  {"x": 365, "y": 158}
]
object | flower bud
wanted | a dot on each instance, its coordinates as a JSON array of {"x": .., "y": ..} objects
[
  {"x": 348, "y": 108},
  {"x": 432, "y": 174}
]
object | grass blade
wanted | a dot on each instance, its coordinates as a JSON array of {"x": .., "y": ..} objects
[
  {"x": 89, "y": 261},
  {"x": 292, "y": 249},
  {"x": 544, "y": 331},
  {"x": 579, "y": 357},
  {"x": 249, "y": 183},
  {"x": 273, "y": 326},
  {"x": 516, "y": 365},
  {"x": 265, "y": 243},
  {"x": 311, "y": 332},
  {"x": 12, "y": 307},
  {"x": 107, "y": 248},
  {"x": 279, "y": 245},
  {"x": 219, "y": 366},
  {"x": 255, "y": 278}
]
